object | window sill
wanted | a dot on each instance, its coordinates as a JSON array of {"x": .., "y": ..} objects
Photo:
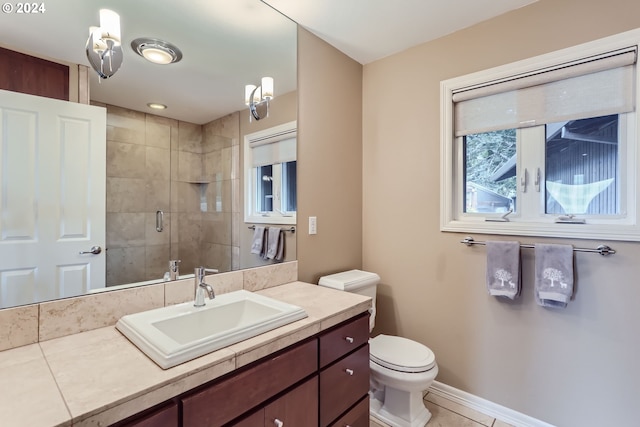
[
  {"x": 571, "y": 231},
  {"x": 272, "y": 219}
]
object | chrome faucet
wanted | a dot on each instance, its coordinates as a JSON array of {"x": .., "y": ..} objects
[
  {"x": 174, "y": 271},
  {"x": 201, "y": 286}
]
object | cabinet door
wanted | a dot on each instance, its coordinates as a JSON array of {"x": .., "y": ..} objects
[
  {"x": 254, "y": 420},
  {"x": 164, "y": 417},
  {"x": 358, "y": 416},
  {"x": 299, "y": 407},
  {"x": 230, "y": 398},
  {"x": 342, "y": 384},
  {"x": 343, "y": 339}
]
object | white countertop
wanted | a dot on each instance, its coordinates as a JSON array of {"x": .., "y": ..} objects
[{"x": 98, "y": 377}]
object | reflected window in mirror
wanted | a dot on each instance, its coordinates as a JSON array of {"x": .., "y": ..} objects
[{"x": 271, "y": 178}]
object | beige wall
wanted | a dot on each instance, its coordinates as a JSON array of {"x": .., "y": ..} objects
[
  {"x": 572, "y": 367},
  {"x": 330, "y": 158}
]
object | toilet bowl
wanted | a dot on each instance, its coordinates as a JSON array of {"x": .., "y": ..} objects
[{"x": 401, "y": 369}]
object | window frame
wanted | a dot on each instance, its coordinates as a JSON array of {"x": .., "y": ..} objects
[
  {"x": 452, "y": 215},
  {"x": 272, "y": 135}
]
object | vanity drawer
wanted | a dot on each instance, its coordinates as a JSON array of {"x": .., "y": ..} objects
[
  {"x": 166, "y": 416},
  {"x": 230, "y": 398},
  {"x": 343, "y": 383},
  {"x": 343, "y": 339},
  {"x": 358, "y": 416},
  {"x": 298, "y": 407}
]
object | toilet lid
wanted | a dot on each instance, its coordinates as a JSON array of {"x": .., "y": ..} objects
[{"x": 401, "y": 354}]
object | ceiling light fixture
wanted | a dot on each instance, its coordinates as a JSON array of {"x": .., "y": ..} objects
[
  {"x": 258, "y": 97},
  {"x": 156, "y": 50},
  {"x": 156, "y": 106},
  {"x": 104, "y": 50}
]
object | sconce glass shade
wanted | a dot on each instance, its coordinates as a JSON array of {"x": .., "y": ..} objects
[
  {"x": 257, "y": 98},
  {"x": 99, "y": 45},
  {"x": 104, "y": 50},
  {"x": 248, "y": 93},
  {"x": 110, "y": 26},
  {"x": 267, "y": 87}
]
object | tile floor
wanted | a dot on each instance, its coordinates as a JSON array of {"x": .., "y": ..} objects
[{"x": 445, "y": 413}]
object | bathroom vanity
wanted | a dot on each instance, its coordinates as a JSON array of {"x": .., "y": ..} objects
[
  {"x": 314, "y": 371},
  {"x": 321, "y": 381}
]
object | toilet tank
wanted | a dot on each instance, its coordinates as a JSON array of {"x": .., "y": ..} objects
[{"x": 355, "y": 281}]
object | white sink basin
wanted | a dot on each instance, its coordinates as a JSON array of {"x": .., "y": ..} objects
[{"x": 178, "y": 333}]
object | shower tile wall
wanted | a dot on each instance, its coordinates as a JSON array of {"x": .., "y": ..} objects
[
  {"x": 221, "y": 157},
  {"x": 186, "y": 170},
  {"x": 138, "y": 185}
]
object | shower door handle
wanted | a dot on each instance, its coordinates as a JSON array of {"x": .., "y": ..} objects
[{"x": 159, "y": 221}]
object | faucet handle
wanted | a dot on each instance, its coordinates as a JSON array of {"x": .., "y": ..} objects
[{"x": 200, "y": 272}]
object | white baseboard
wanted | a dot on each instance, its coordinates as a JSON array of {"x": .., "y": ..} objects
[{"x": 500, "y": 412}]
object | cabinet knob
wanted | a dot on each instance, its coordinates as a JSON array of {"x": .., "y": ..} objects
[
  {"x": 278, "y": 423},
  {"x": 349, "y": 371},
  {"x": 349, "y": 340}
]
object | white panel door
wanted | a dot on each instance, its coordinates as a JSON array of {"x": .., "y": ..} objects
[{"x": 52, "y": 198}]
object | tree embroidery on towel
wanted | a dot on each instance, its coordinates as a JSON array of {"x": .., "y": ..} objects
[
  {"x": 554, "y": 274},
  {"x": 503, "y": 275}
]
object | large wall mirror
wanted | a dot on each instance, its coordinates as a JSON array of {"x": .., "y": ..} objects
[{"x": 174, "y": 177}]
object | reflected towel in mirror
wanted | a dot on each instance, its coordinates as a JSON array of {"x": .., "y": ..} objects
[
  {"x": 258, "y": 241},
  {"x": 275, "y": 243}
]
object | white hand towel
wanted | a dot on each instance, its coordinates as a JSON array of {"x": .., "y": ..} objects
[
  {"x": 554, "y": 275},
  {"x": 257, "y": 244},
  {"x": 503, "y": 269},
  {"x": 274, "y": 242}
]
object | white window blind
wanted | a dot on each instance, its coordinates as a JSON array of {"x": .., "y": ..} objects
[
  {"x": 273, "y": 152},
  {"x": 590, "y": 87}
]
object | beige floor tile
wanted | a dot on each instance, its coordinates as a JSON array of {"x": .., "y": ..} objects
[
  {"x": 373, "y": 423},
  {"x": 476, "y": 416},
  {"x": 440, "y": 417}
]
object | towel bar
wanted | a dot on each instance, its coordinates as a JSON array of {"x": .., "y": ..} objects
[
  {"x": 291, "y": 229},
  {"x": 602, "y": 249}
]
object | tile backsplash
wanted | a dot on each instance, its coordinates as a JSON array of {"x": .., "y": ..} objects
[{"x": 53, "y": 319}]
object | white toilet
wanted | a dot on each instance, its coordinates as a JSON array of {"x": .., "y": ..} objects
[{"x": 401, "y": 369}]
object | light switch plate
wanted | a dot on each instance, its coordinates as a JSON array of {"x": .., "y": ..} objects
[{"x": 313, "y": 225}]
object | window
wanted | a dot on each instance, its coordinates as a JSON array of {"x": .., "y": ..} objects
[
  {"x": 270, "y": 175},
  {"x": 545, "y": 146}
]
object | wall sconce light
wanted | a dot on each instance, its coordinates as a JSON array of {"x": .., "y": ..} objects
[
  {"x": 257, "y": 98},
  {"x": 104, "y": 50}
]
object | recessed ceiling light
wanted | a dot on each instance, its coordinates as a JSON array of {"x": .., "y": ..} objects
[
  {"x": 156, "y": 106},
  {"x": 156, "y": 50}
]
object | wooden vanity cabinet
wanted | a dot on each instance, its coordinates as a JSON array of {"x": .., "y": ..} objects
[
  {"x": 358, "y": 416},
  {"x": 344, "y": 374},
  {"x": 165, "y": 416},
  {"x": 230, "y": 398},
  {"x": 323, "y": 381},
  {"x": 298, "y": 407}
]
